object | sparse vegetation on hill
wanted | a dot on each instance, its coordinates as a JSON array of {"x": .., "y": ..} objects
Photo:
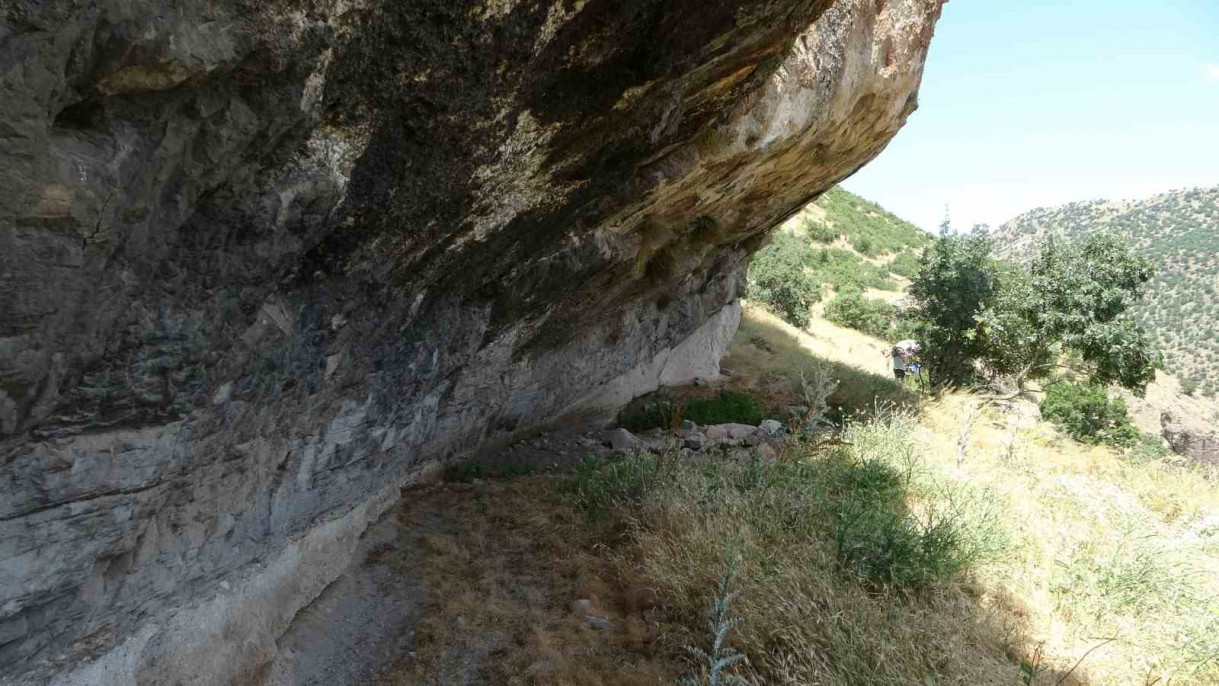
[
  {"x": 1179, "y": 233},
  {"x": 840, "y": 245}
]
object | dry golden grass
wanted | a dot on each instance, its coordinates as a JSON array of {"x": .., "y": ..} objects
[
  {"x": 1102, "y": 545},
  {"x": 503, "y": 561},
  {"x": 767, "y": 356},
  {"x": 1108, "y": 555}
]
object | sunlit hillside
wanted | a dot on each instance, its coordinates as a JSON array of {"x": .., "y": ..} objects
[
  {"x": 1105, "y": 565},
  {"x": 843, "y": 257}
]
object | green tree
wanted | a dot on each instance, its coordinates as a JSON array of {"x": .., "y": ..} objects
[
  {"x": 779, "y": 279},
  {"x": 979, "y": 316},
  {"x": 956, "y": 282},
  {"x": 852, "y": 309},
  {"x": 1087, "y": 413}
]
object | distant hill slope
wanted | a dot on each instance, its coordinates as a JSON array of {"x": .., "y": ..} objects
[
  {"x": 841, "y": 247},
  {"x": 862, "y": 225},
  {"x": 1179, "y": 231}
]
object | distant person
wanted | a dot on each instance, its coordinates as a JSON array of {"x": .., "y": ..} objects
[
  {"x": 899, "y": 365},
  {"x": 901, "y": 356}
]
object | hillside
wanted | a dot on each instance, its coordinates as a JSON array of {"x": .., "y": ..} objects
[
  {"x": 843, "y": 256},
  {"x": 1179, "y": 231}
]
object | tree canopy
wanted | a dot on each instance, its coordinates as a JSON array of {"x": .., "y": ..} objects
[{"x": 1069, "y": 308}]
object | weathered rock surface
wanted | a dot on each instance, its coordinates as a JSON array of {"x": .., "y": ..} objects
[
  {"x": 262, "y": 263},
  {"x": 1196, "y": 446}
]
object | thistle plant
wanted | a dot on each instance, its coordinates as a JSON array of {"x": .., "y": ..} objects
[{"x": 714, "y": 663}]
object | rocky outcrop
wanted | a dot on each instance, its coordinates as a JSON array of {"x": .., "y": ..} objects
[
  {"x": 262, "y": 263},
  {"x": 1196, "y": 446}
]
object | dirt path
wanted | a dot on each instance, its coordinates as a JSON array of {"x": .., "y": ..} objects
[
  {"x": 473, "y": 583},
  {"x": 361, "y": 622}
]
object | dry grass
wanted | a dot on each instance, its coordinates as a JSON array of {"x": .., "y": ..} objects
[
  {"x": 807, "y": 614},
  {"x": 1112, "y": 566},
  {"x": 1104, "y": 549},
  {"x": 1064, "y": 563},
  {"x": 767, "y": 356},
  {"x": 503, "y": 562}
]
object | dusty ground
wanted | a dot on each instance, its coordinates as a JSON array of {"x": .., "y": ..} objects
[{"x": 472, "y": 581}]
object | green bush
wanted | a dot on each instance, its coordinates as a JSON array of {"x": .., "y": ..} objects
[
  {"x": 780, "y": 280},
  {"x": 874, "y": 317},
  {"x": 1087, "y": 413},
  {"x": 864, "y": 246},
  {"x": 844, "y": 270},
  {"x": 820, "y": 232},
  {"x": 905, "y": 264},
  {"x": 727, "y": 407},
  {"x": 1189, "y": 386}
]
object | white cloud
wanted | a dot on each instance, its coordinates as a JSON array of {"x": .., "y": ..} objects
[{"x": 1210, "y": 71}]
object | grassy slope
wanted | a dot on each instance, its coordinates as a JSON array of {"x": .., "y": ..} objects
[
  {"x": 866, "y": 238},
  {"x": 1084, "y": 567},
  {"x": 1180, "y": 232},
  {"x": 1097, "y": 547}
]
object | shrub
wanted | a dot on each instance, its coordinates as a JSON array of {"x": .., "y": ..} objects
[
  {"x": 1189, "y": 386},
  {"x": 975, "y": 312},
  {"x": 864, "y": 246},
  {"x": 820, "y": 232},
  {"x": 869, "y": 315},
  {"x": 905, "y": 264},
  {"x": 727, "y": 407},
  {"x": 1087, "y": 413},
  {"x": 779, "y": 279}
]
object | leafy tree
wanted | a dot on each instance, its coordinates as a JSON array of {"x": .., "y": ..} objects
[
  {"x": 874, "y": 317},
  {"x": 905, "y": 264},
  {"x": 956, "y": 282},
  {"x": 1179, "y": 230},
  {"x": 980, "y": 316}
]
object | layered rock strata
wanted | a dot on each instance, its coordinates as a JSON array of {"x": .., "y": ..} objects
[{"x": 263, "y": 263}]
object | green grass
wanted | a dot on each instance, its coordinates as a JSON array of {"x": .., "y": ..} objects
[
  {"x": 847, "y": 559},
  {"x": 727, "y": 407}
]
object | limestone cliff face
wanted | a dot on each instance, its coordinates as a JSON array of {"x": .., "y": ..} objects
[{"x": 261, "y": 262}]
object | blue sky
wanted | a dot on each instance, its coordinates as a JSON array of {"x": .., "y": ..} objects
[{"x": 1042, "y": 102}]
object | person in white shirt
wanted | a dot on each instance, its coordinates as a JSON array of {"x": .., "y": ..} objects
[{"x": 899, "y": 365}]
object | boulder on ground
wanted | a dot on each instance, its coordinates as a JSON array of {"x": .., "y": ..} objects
[
  {"x": 766, "y": 453},
  {"x": 731, "y": 431},
  {"x": 1196, "y": 446},
  {"x": 772, "y": 427},
  {"x": 620, "y": 439},
  {"x": 695, "y": 441}
]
